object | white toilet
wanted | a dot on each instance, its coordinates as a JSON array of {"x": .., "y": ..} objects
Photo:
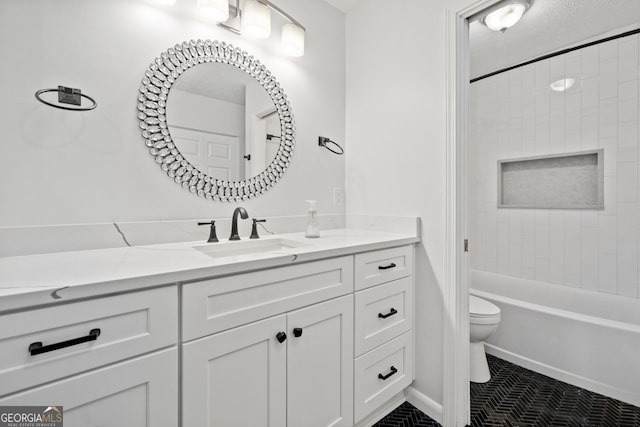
[{"x": 484, "y": 319}]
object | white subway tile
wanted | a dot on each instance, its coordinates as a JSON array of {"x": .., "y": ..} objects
[
  {"x": 542, "y": 138},
  {"x": 572, "y": 266},
  {"x": 542, "y": 241},
  {"x": 608, "y": 79},
  {"x": 542, "y": 269},
  {"x": 590, "y": 95},
  {"x": 608, "y": 118},
  {"x": 627, "y": 59},
  {"x": 607, "y": 234},
  {"x": 503, "y": 248},
  {"x": 542, "y": 74},
  {"x": 627, "y": 221},
  {"x": 628, "y": 268},
  {"x": 627, "y": 180},
  {"x": 589, "y": 258},
  {"x": 528, "y": 251},
  {"x": 556, "y": 247},
  {"x": 628, "y": 110},
  {"x": 528, "y": 222},
  {"x": 590, "y": 61},
  {"x": 515, "y": 259},
  {"x": 610, "y": 146},
  {"x": 607, "y": 273},
  {"x": 572, "y": 224},
  {"x": 589, "y": 132},
  {"x": 610, "y": 196},
  {"x": 556, "y": 68},
  {"x": 628, "y": 142}
]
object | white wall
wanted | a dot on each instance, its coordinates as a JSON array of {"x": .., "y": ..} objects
[
  {"x": 515, "y": 114},
  {"x": 68, "y": 167},
  {"x": 396, "y": 144}
]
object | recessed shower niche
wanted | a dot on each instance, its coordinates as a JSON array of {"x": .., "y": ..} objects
[{"x": 559, "y": 181}]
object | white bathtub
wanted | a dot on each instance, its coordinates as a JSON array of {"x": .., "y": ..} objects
[{"x": 585, "y": 338}]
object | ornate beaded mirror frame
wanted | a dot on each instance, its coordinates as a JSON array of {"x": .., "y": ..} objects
[{"x": 152, "y": 103}]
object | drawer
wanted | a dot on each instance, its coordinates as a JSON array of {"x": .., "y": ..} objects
[
  {"x": 382, "y": 313},
  {"x": 381, "y": 374},
  {"x": 129, "y": 325},
  {"x": 374, "y": 268},
  {"x": 140, "y": 392},
  {"x": 215, "y": 305}
]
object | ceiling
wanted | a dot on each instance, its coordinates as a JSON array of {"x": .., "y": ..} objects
[{"x": 549, "y": 25}]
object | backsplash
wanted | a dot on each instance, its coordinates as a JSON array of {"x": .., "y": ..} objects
[{"x": 516, "y": 114}]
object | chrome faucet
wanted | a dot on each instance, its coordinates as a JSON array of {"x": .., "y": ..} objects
[{"x": 234, "y": 222}]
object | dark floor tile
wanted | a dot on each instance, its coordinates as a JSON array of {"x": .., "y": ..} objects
[{"x": 518, "y": 397}]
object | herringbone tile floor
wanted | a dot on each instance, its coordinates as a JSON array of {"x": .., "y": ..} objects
[{"x": 516, "y": 396}]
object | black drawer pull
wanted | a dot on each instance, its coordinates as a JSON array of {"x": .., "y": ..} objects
[
  {"x": 297, "y": 332},
  {"x": 391, "y": 313},
  {"x": 281, "y": 337},
  {"x": 38, "y": 348},
  {"x": 392, "y": 370},
  {"x": 386, "y": 267}
]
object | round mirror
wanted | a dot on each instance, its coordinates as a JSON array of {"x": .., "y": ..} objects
[{"x": 216, "y": 120}]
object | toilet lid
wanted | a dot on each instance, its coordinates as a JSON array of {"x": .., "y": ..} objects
[{"x": 479, "y": 307}]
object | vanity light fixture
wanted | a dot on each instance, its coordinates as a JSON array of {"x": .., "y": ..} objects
[
  {"x": 218, "y": 10},
  {"x": 254, "y": 20},
  {"x": 505, "y": 15},
  {"x": 562, "y": 84}
]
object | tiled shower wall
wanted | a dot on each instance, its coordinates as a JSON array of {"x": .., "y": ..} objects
[{"x": 516, "y": 114}]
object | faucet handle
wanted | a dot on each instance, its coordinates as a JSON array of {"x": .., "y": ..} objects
[
  {"x": 254, "y": 228},
  {"x": 212, "y": 232}
]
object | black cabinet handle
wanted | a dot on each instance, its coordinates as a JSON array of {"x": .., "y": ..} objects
[
  {"x": 297, "y": 332},
  {"x": 393, "y": 370},
  {"x": 391, "y": 313},
  {"x": 281, "y": 337},
  {"x": 38, "y": 348},
  {"x": 386, "y": 267}
]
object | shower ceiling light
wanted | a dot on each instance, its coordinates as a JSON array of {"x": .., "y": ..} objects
[
  {"x": 562, "y": 84},
  {"x": 506, "y": 15}
]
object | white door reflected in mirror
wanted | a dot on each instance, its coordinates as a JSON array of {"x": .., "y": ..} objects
[{"x": 223, "y": 121}]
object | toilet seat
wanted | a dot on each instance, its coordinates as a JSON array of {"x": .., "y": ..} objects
[{"x": 482, "y": 312}]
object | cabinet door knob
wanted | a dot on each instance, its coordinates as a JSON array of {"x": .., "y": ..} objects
[
  {"x": 281, "y": 337},
  {"x": 390, "y": 313},
  {"x": 297, "y": 332}
]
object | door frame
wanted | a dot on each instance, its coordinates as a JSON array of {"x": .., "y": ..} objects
[{"x": 455, "y": 377}]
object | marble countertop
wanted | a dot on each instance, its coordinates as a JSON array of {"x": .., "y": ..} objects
[{"x": 34, "y": 280}]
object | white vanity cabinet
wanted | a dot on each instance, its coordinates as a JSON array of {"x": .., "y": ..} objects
[
  {"x": 292, "y": 369},
  {"x": 383, "y": 327},
  {"x": 323, "y": 343},
  {"x": 246, "y": 377},
  {"x": 109, "y": 362}
]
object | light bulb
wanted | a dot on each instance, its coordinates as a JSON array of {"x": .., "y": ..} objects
[
  {"x": 292, "y": 40},
  {"x": 505, "y": 17},
  {"x": 217, "y": 10},
  {"x": 562, "y": 84},
  {"x": 256, "y": 20}
]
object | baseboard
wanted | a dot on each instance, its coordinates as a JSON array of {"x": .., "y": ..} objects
[
  {"x": 424, "y": 403},
  {"x": 564, "y": 376},
  {"x": 382, "y": 411}
]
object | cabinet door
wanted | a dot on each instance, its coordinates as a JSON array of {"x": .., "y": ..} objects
[
  {"x": 141, "y": 392},
  {"x": 320, "y": 365},
  {"x": 236, "y": 378}
]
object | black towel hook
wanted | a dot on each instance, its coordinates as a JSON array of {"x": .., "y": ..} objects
[{"x": 325, "y": 142}]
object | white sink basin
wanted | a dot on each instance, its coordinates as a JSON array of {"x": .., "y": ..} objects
[{"x": 247, "y": 247}]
